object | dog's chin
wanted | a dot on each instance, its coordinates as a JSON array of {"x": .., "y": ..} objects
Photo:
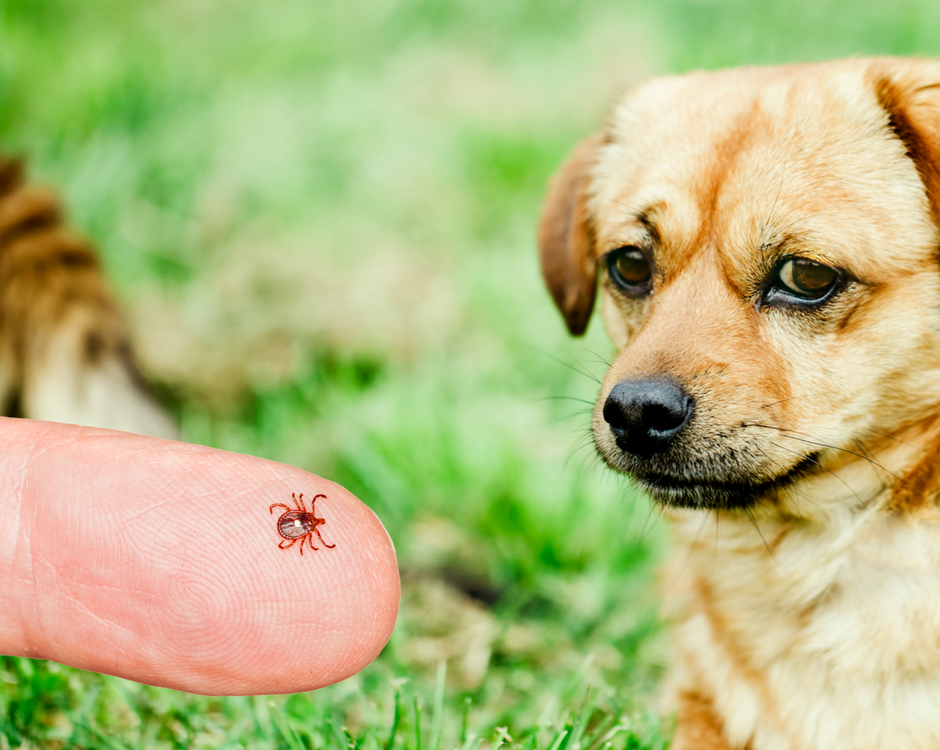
[
  {"x": 682, "y": 489},
  {"x": 683, "y": 493}
]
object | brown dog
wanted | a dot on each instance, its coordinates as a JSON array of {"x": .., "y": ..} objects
[
  {"x": 65, "y": 352},
  {"x": 768, "y": 243}
]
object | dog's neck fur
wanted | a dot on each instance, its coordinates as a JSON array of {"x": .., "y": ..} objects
[{"x": 789, "y": 622}]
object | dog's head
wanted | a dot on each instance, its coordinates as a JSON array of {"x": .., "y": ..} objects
[{"x": 767, "y": 247}]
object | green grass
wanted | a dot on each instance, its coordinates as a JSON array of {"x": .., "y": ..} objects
[{"x": 321, "y": 217}]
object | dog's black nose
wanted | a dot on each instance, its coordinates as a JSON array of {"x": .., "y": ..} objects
[{"x": 645, "y": 415}]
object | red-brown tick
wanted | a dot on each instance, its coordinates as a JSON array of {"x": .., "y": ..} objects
[{"x": 299, "y": 524}]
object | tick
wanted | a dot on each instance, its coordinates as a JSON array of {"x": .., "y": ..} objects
[{"x": 299, "y": 524}]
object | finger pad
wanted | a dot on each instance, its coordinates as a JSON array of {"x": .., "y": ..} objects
[{"x": 171, "y": 574}]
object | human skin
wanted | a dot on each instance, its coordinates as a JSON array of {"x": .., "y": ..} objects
[{"x": 158, "y": 561}]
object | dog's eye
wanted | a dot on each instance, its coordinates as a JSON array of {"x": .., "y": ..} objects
[
  {"x": 629, "y": 269},
  {"x": 806, "y": 280}
]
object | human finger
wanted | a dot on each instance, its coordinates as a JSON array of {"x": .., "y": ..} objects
[{"x": 159, "y": 562}]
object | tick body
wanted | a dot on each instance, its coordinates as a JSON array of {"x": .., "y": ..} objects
[{"x": 299, "y": 523}]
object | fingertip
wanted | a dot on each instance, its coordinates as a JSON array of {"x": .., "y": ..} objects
[
  {"x": 171, "y": 572},
  {"x": 316, "y": 615},
  {"x": 354, "y": 586}
]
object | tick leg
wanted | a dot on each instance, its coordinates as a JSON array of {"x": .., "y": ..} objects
[
  {"x": 286, "y": 507},
  {"x": 313, "y": 503},
  {"x": 331, "y": 546},
  {"x": 292, "y": 541},
  {"x": 310, "y": 542},
  {"x": 301, "y": 505}
]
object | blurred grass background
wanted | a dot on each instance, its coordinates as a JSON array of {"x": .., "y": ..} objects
[{"x": 320, "y": 218}]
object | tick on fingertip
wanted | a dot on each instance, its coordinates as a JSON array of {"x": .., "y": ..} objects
[{"x": 299, "y": 524}]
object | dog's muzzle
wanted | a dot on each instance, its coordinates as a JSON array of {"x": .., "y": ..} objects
[{"x": 645, "y": 416}]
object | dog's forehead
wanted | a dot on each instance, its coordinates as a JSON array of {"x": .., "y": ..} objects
[{"x": 735, "y": 159}]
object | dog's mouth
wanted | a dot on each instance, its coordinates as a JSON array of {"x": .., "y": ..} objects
[
  {"x": 692, "y": 492},
  {"x": 658, "y": 431}
]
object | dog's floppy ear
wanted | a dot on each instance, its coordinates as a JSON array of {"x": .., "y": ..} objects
[
  {"x": 566, "y": 237},
  {"x": 909, "y": 91}
]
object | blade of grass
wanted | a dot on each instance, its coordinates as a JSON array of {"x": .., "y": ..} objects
[
  {"x": 561, "y": 740},
  {"x": 465, "y": 722},
  {"x": 285, "y": 731},
  {"x": 395, "y": 721},
  {"x": 437, "y": 719},
  {"x": 502, "y": 738},
  {"x": 417, "y": 707}
]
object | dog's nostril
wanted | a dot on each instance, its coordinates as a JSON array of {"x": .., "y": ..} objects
[
  {"x": 664, "y": 417},
  {"x": 645, "y": 415}
]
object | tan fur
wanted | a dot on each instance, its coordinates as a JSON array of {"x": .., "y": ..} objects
[
  {"x": 565, "y": 239},
  {"x": 809, "y": 617},
  {"x": 65, "y": 354}
]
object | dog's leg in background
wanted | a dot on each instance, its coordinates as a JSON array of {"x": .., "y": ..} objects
[{"x": 65, "y": 353}]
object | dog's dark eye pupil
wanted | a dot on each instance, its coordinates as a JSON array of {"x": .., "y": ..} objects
[
  {"x": 806, "y": 278},
  {"x": 629, "y": 267}
]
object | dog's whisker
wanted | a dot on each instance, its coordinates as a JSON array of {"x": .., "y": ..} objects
[
  {"x": 862, "y": 449},
  {"x": 793, "y": 435},
  {"x": 650, "y": 521},
  {"x": 570, "y": 398},
  {"x": 579, "y": 370},
  {"x": 846, "y": 450},
  {"x": 791, "y": 489},
  {"x": 756, "y": 525},
  {"x": 830, "y": 471},
  {"x": 898, "y": 440},
  {"x": 876, "y": 433},
  {"x": 580, "y": 448},
  {"x": 793, "y": 398},
  {"x": 584, "y": 445},
  {"x": 600, "y": 359}
]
